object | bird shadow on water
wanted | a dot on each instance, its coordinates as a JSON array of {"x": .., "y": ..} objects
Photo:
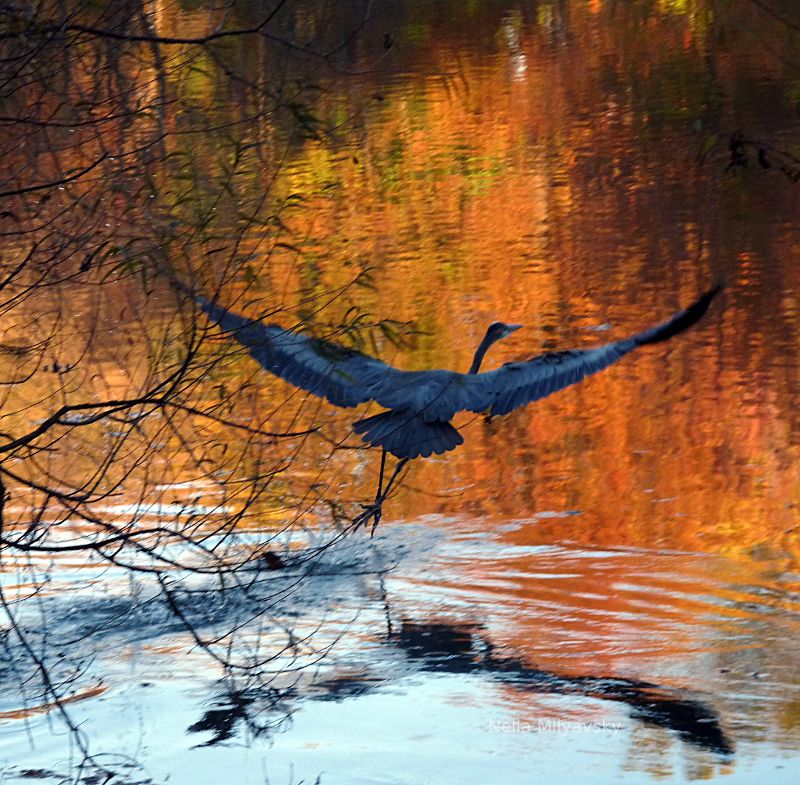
[{"x": 462, "y": 648}]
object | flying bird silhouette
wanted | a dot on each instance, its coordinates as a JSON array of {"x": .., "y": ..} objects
[{"x": 420, "y": 404}]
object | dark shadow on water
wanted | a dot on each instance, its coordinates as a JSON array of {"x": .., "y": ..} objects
[
  {"x": 222, "y": 720},
  {"x": 462, "y": 648}
]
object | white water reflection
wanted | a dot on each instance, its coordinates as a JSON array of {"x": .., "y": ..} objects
[{"x": 429, "y": 677}]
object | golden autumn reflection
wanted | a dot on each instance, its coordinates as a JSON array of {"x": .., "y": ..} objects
[
  {"x": 544, "y": 200},
  {"x": 564, "y": 165}
]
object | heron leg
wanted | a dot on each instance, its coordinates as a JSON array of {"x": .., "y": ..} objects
[
  {"x": 380, "y": 477},
  {"x": 376, "y": 515},
  {"x": 373, "y": 510},
  {"x": 397, "y": 469},
  {"x": 379, "y": 496}
]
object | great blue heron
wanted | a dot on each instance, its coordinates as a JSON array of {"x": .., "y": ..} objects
[{"x": 421, "y": 404}]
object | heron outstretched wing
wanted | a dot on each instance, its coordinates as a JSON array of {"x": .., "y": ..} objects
[
  {"x": 519, "y": 383},
  {"x": 344, "y": 376},
  {"x": 347, "y": 377}
]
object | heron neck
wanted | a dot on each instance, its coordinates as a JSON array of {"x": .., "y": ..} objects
[{"x": 480, "y": 352}]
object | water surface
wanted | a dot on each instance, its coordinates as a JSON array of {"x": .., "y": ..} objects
[{"x": 605, "y": 584}]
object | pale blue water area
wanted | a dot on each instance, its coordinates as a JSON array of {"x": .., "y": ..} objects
[{"x": 419, "y": 686}]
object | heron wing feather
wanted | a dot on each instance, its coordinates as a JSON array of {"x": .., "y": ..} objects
[
  {"x": 519, "y": 383},
  {"x": 346, "y": 377}
]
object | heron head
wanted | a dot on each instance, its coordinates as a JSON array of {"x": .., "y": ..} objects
[{"x": 498, "y": 330}]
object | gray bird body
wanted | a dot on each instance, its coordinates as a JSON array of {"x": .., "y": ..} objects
[{"x": 421, "y": 404}]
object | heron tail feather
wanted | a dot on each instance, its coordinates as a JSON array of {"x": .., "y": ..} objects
[{"x": 406, "y": 435}]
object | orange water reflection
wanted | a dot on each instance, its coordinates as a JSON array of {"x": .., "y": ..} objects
[{"x": 545, "y": 198}]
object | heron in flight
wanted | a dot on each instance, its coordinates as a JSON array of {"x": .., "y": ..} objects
[{"x": 419, "y": 405}]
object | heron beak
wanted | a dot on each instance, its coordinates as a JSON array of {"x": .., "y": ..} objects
[{"x": 512, "y": 328}]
